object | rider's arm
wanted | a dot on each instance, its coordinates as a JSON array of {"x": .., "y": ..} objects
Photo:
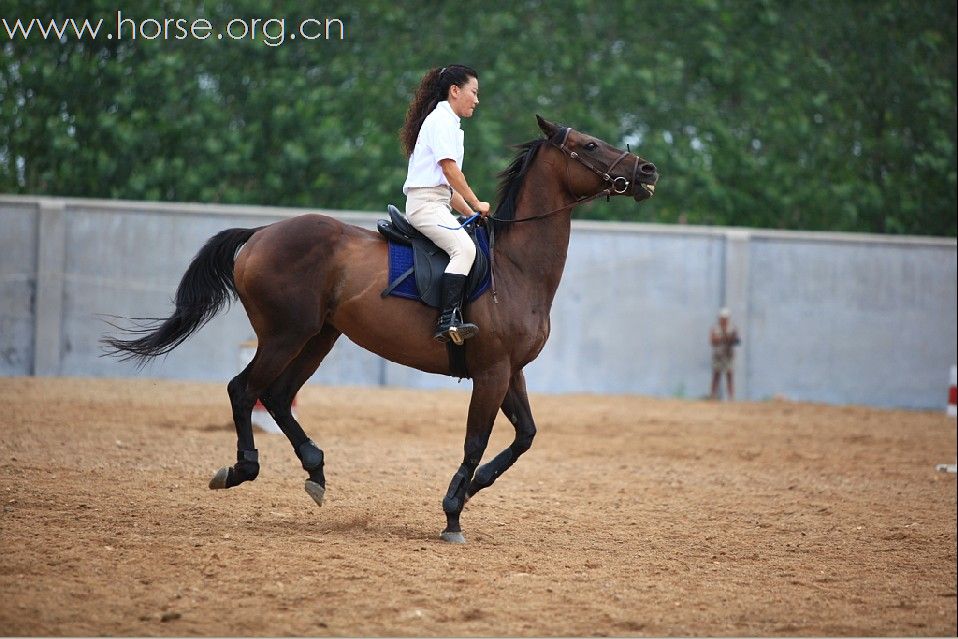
[
  {"x": 458, "y": 183},
  {"x": 459, "y": 204}
]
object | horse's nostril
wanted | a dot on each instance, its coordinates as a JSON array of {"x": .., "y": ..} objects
[{"x": 648, "y": 168}]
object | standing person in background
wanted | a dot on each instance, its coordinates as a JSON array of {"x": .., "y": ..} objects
[{"x": 724, "y": 338}]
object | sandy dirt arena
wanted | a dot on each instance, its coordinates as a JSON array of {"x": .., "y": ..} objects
[{"x": 629, "y": 516}]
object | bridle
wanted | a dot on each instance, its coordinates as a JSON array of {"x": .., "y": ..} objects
[{"x": 616, "y": 185}]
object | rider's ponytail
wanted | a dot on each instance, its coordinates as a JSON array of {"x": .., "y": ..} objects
[{"x": 433, "y": 89}]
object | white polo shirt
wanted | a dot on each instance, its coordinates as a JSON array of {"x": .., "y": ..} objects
[{"x": 439, "y": 138}]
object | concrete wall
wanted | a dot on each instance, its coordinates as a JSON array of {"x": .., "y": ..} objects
[
  {"x": 837, "y": 318},
  {"x": 19, "y": 225},
  {"x": 851, "y": 321}
]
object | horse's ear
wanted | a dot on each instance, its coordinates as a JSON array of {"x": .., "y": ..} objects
[{"x": 549, "y": 128}]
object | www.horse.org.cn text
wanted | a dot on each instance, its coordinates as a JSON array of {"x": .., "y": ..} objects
[{"x": 272, "y": 32}]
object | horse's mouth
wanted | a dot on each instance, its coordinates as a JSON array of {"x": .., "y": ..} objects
[{"x": 644, "y": 193}]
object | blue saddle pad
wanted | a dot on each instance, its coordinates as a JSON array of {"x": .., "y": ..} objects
[{"x": 401, "y": 260}]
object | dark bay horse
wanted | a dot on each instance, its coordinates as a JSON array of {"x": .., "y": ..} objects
[{"x": 307, "y": 280}]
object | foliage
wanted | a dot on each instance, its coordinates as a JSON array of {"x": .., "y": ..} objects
[{"x": 812, "y": 115}]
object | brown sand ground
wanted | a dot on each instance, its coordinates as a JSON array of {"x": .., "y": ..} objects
[{"x": 629, "y": 516}]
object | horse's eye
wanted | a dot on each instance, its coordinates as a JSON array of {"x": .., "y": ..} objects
[{"x": 591, "y": 146}]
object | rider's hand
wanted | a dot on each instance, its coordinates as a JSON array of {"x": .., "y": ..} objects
[{"x": 482, "y": 208}]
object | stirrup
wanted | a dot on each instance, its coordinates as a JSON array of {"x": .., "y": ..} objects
[
  {"x": 452, "y": 327},
  {"x": 459, "y": 334}
]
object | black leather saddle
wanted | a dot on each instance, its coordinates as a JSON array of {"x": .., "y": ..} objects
[{"x": 429, "y": 261}]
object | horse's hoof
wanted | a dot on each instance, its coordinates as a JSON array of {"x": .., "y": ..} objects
[
  {"x": 453, "y": 537},
  {"x": 219, "y": 479},
  {"x": 315, "y": 491}
]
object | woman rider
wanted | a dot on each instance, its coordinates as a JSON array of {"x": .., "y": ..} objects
[{"x": 435, "y": 183}]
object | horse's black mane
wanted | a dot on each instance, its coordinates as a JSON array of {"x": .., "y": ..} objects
[{"x": 511, "y": 179}]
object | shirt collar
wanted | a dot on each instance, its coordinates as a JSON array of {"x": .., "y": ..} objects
[{"x": 448, "y": 108}]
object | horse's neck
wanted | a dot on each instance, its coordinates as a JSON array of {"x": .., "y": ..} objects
[{"x": 535, "y": 251}]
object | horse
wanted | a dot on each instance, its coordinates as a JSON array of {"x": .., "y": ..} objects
[{"x": 307, "y": 280}]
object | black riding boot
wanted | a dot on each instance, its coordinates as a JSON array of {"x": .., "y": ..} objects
[{"x": 450, "y": 324}]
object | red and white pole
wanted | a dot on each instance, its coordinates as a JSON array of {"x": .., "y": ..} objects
[
  {"x": 953, "y": 392},
  {"x": 952, "y": 412}
]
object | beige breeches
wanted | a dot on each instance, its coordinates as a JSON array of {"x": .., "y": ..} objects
[{"x": 429, "y": 210}]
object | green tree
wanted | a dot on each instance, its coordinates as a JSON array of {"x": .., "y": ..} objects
[{"x": 813, "y": 115}]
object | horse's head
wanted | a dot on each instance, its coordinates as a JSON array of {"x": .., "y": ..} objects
[{"x": 596, "y": 167}]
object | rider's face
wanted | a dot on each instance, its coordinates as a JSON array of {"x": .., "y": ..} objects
[{"x": 464, "y": 99}]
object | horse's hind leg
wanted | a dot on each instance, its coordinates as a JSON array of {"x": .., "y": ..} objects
[
  {"x": 278, "y": 400},
  {"x": 272, "y": 356},
  {"x": 516, "y": 409},
  {"x": 246, "y": 467}
]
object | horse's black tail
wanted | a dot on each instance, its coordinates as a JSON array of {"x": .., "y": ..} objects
[{"x": 206, "y": 286}]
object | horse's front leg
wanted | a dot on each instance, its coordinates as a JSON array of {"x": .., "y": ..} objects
[
  {"x": 516, "y": 409},
  {"x": 487, "y": 393}
]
